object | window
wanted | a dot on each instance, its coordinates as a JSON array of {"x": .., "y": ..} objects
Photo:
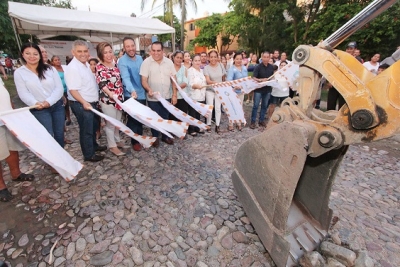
[{"x": 191, "y": 27}]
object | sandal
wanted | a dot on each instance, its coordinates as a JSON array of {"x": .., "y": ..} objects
[
  {"x": 193, "y": 134},
  {"x": 23, "y": 177},
  {"x": 231, "y": 129},
  {"x": 5, "y": 195},
  {"x": 209, "y": 129},
  {"x": 239, "y": 127}
]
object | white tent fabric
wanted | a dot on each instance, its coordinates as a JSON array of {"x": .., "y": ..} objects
[{"x": 51, "y": 21}]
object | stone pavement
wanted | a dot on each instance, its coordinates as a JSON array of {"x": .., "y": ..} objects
[{"x": 176, "y": 206}]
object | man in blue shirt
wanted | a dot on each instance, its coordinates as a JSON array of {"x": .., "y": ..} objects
[{"x": 129, "y": 66}]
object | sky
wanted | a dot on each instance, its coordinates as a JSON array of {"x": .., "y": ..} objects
[{"x": 126, "y": 7}]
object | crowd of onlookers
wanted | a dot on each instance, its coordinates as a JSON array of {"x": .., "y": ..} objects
[{"x": 84, "y": 84}]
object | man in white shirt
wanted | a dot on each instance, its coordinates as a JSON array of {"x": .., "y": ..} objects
[{"x": 83, "y": 94}]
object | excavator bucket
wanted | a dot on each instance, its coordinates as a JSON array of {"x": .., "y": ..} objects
[
  {"x": 283, "y": 177},
  {"x": 284, "y": 192}
]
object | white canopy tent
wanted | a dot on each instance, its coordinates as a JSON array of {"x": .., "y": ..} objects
[{"x": 45, "y": 22}]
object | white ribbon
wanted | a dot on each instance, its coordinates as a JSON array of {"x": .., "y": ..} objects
[
  {"x": 179, "y": 114},
  {"x": 203, "y": 109},
  {"x": 151, "y": 119},
  {"x": 34, "y": 136},
  {"x": 146, "y": 141},
  {"x": 231, "y": 102}
]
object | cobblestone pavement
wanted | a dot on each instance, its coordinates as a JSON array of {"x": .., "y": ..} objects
[{"x": 176, "y": 206}]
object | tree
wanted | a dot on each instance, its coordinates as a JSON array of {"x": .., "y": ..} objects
[
  {"x": 227, "y": 26},
  {"x": 287, "y": 24},
  {"x": 381, "y": 35},
  {"x": 231, "y": 29},
  {"x": 210, "y": 27},
  {"x": 177, "y": 27},
  {"x": 168, "y": 7},
  {"x": 265, "y": 25}
]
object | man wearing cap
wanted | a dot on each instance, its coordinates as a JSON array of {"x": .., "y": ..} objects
[{"x": 350, "y": 48}]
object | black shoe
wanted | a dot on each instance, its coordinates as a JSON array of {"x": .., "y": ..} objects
[
  {"x": 156, "y": 143},
  {"x": 95, "y": 158},
  {"x": 168, "y": 140},
  {"x": 101, "y": 148}
]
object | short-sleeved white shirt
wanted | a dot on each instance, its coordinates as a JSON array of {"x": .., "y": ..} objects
[
  {"x": 159, "y": 76},
  {"x": 196, "y": 77},
  {"x": 79, "y": 77},
  {"x": 371, "y": 68}
]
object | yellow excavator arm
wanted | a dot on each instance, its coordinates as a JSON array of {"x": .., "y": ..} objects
[{"x": 285, "y": 183}]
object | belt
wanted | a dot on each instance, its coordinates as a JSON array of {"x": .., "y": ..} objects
[{"x": 92, "y": 103}]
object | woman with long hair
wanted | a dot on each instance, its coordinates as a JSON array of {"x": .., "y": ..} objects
[
  {"x": 39, "y": 84},
  {"x": 237, "y": 71},
  {"x": 187, "y": 61},
  {"x": 108, "y": 77},
  {"x": 197, "y": 91},
  {"x": 181, "y": 77},
  {"x": 214, "y": 73},
  {"x": 373, "y": 64}
]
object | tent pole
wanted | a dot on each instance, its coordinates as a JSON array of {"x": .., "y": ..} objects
[
  {"x": 16, "y": 35},
  {"x": 112, "y": 43}
]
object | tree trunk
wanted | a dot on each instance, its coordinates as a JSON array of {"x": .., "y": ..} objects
[{"x": 183, "y": 18}]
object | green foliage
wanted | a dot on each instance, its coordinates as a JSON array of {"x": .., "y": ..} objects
[
  {"x": 284, "y": 25},
  {"x": 210, "y": 27},
  {"x": 381, "y": 35},
  {"x": 228, "y": 26},
  {"x": 10, "y": 85},
  {"x": 177, "y": 27},
  {"x": 8, "y": 42},
  {"x": 231, "y": 29},
  {"x": 190, "y": 48}
]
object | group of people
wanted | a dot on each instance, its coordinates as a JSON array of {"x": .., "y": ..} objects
[
  {"x": 52, "y": 89},
  {"x": 96, "y": 83}
]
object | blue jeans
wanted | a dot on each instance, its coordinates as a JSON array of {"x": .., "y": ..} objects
[
  {"x": 134, "y": 125},
  {"x": 264, "y": 98},
  {"x": 88, "y": 124},
  {"x": 160, "y": 110},
  {"x": 52, "y": 119}
]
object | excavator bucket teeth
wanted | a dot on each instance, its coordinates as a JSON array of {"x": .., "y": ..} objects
[{"x": 284, "y": 192}]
